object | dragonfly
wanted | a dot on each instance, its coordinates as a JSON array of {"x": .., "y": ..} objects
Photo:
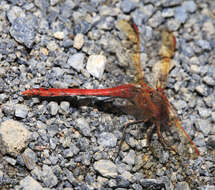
[{"x": 151, "y": 103}]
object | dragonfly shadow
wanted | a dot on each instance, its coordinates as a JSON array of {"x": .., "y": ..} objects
[{"x": 103, "y": 104}]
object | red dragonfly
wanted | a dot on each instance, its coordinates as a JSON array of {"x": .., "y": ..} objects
[{"x": 151, "y": 104}]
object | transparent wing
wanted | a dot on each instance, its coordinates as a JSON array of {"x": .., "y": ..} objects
[
  {"x": 181, "y": 141},
  {"x": 131, "y": 31},
  {"x": 161, "y": 68}
]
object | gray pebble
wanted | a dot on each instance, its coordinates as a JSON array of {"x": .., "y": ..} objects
[
  {"x": 1, "y": 177},
  {"x": 107, "y": 139},
  {"x": 23, "y": 31},
  {"x": 200, "y": 140},
  {"x": 130, "y": 157},
  {"x": 10, "y": 160},
  {"x": 209, "y": 80},
  {"x": 204, "y": 44},
  {"x": 182, "y": 186},
  {"x": 168, "y": 12},
  {"x": 64, "y": 107},
  {"x": 156, "y": 19},
  {"x": 204, "y": 126},
  {"x": 203, "y": 112},
  {"x": 83, "y": 126},
  {"x": 208, "y": 187},
  {"x": 48, "y": 177},
  {"x": 29, "y": 158},
  {"x": 180, "y": 14},
  {"x": 106, "y": 24},
  {"x": 127, "y": 6},
  {"x": 189, "y": 6},
  {"x": 82, "y": 27},
  {"x": 21, "y": 110},
  {"x": 15, "y": 12},
  {"x": 211, "y": 141},
  {"x": 202, "y": 90},
  {"x": 109, "y": 11},
  {"x": 106, "y": 168},
  {"x": 30, "y": 182},
  {"x": 153, "y": 183},
  {"x": 141, "y": 16},
  {"x": 53, "y": 107},
  {"x": 213, "y": 116},
  {"x": 76, "y": 61},
  {"x": 173, "y": 24},
  {"x": 68, "y": 153}
]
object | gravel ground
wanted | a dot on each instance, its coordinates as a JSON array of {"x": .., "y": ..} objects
[{"x": 68, "y": 143}]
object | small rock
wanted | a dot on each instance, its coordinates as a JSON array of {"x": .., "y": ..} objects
[
  {"x": 78, "y": 41},
  {"x": 122, "y": 182},
  {"x": 48, "y": 177},
  {"x": 54, "y": 2},
  {"x": 182, "y": 186},
  {"x": 64, "y": 106},
  {"x": 67, "y": 153},
  {"x": 189, "y": 6},
  {"x": 211, "y": 141},
  {"x": 200, "y": 140},
  {"x": 106, "y": 24},
  {"x": 128, "y": 5},
  {"x": 195, "y": 69},
  {"x": 59, "y": 84},
  {"x": 70, "y": 177},
  {"x": 67, "y": 43},
  {"x": 209, "y": 28},
  {"x": 152, "y": 183},
  {"x": 108, "y": 11},
  {"x": 202, "y": 90},
  {"x": 181, "y": 14},
  {"x": 76, "y": 61},
  {"x": 21, "y": 110},
  {"x": 52, "y": 46},
  {"x": 156, "y": 19},
  {"x": 168, "y": 12},
  {"x": 205, "y": 45},
  {"x": 1, "y": 176},
  {"x": 127, "y": 175},
  {"x": 204, "y": 126},
  {"x": 107, "y": 140},
  {"x": 10, "y": 160},
  {"x": 186, "y": 49},
  {"x": 30, "y": 182},
  {"x": 83, "y": 126},
  {"x": 82, "y": 27},
  {"x": 130, "y": 158},
  {"x": 173, "y": 24},
  {"x": 180, "y": 105},
  {"x": 209, "y": 81},
  {"x": 208, "y": 187},
  {"x": 13, "y": 137},
  {"x": 203, "y": 112},
  {"x": 23, "y": 31},
  {"x": 53, "y": 107},
  {"x": 96, "y": 65},
  {"x": 29, "y": 158},
  {"x": 106, "y": 168},
  {"x": 59, "y": 35},
  {"x": 15, "y": 12},
  {"x": 213, "y": 116}
]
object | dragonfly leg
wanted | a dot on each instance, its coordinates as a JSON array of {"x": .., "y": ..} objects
[
  {"x": 148, "y": 137},
  {"x": 163, "y": 141},
  {"x": 123, "y": 134}
]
